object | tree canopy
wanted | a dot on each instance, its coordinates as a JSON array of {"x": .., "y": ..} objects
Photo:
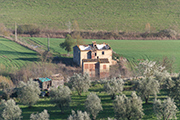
[{"x": 68, "y": 43}]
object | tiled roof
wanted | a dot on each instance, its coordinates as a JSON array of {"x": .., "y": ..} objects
[
  {"x": 101, "y": 60},
  {"x": 90, "y": 60},
  {"x": 104, "y": 60}
]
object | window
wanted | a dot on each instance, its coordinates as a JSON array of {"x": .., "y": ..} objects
[
  {"x": 95, "y": 54},
  {"x": 102, "y": 52}
]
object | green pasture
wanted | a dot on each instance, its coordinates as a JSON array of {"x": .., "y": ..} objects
[
  {"x": 15, "y": 55},
  {"x": 111, "y": 15},
  {"x": 77, "y": 103},
  {"x": 133, "y": 50}
]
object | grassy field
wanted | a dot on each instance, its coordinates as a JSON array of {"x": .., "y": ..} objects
[
  {"x": 15, "y": 55},
  {"x": 77, "y": 103},
  {"x": 131, "y": 15},
  {"x": 133, "y": 50}
]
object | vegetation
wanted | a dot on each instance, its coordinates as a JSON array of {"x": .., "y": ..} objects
[
  {"x": 61, "y": 97},
  {"x": 80, "y": 83},
  {"x": 165, "y": 110},
  {"x": 93, "y": 105},
  {"x": 29, "y": 92},
  {"x": 114, "y": 86},
  {"x": 79, "y": 116},
  {"x": 67, "y": 44},
  {"x": 40, "y": 116},
  {"x": 109, "y": 15},
  {"x": 128, "y": 108},
  {"x": 9, "y": 110}
]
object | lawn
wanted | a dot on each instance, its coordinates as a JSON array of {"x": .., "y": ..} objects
[
  {"x": 111, "y": 15},
  {"x": 77, "y": 103},
  {"x": 133, "y": 50},
  {"x": 15, "y": 55}
]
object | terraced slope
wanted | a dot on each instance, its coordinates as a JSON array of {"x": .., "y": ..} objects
[
  {"x": 125, "y": 15},
  {"x": 15, "y": 55}
]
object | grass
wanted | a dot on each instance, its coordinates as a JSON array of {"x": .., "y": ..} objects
[
  {"x": 77, "y": 103},
  {"x": 15, "y": 55},
  {"x": 92, "y": 14},
  {"x": 133, "y": 50}
]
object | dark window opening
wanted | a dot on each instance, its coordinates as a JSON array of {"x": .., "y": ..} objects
[
  {"x": 102, "y": 52},
  {"x": 95, "y": 54}
]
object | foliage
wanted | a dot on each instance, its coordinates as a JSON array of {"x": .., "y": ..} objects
[
  {"x": 68, "y": 43},
  {"x": 128, "y": 108},
  {"x": 28, "y": 29},
  {"x": 40, "y": 116},
  {"x": 61, "y": 97},
  {"x": 3, "y": 30},
  {"x": 9, "y": 110},
  {"x": 146, "y": 87},
  {"x": 114, "y": 86},
  {"x": 29, "y": 92},
  {"x": 148, "y": 68},
  {"x": 80, "y": 83},
  {"x": 165, "y": 110},
  {"x": 79, "y": 116},
  {"x": 93, "y": 104},
  {"x": 111, "y": 118},
  {"x": 174, "y": 88}
]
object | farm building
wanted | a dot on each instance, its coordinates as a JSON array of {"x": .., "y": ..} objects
[
  {"x": 53, "y": 81},
  {"x": 94, "y": 59}
]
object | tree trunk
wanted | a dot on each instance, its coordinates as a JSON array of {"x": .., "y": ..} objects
[
  {"x": 146, "y": 99},
  {"x": 113, "y": 96}
]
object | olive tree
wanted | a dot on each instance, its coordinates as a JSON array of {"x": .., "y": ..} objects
[
  {"x": 60, "y": 96},
  {"x": 128, "y": 108},
  {"x": 80, "y": 83},
  {"x": 146, "y": 87},
  {"x": 114, "y": 86},
  {"x": 29, "y": 92},
  {"x": 165, "y": 110},
  {"x": 79, "y": 116},
  {"x": 93, "y": 104},
  {"x": 40, "y": 116},
  {"x": 9, "y": 110}
]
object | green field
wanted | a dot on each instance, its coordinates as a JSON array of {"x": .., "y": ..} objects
[
  {"x": 15, "y": 55},
  {"x": 131, "y": 15},
  {"x": 133, "y": 50},
  {"x": 77, "y": 103}
]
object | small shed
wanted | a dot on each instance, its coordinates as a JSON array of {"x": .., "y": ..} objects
[
  {"x": 44, "y": 83},
  {"x": 57, "y": 79}
]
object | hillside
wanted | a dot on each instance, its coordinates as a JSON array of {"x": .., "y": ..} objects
[{"x": 131, "y": 15}]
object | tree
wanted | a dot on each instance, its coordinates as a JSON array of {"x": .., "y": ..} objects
[
  {"x": 9, "y": 110},
  {"x": 114, "y": 86},
  {"x": 148, "y": 68},
  {"x": 40, "y": 116},
  {"x": 93, "y": 104},
  {"x": 79, "y": 116},
  {"x": 61, "y": 97},
  {"x": 128, "y": 108},
  {"x": 67, "y": 44},
  {"x": 165, "y": 110},
  {"x": 80, "y": 82},
  {"x": 111, "y": 118},
  {"x": 29, "y": 92},
  {"x": 146, "y": 87}
]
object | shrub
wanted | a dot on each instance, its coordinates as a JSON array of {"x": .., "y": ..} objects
[{"x": 28, "y": 29}]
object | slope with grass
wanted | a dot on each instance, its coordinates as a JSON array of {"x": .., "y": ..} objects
[
  {"x": 133, "y": 50},
  {"x": 131, "y": 15},
  {"x": 15, "y": 55}
]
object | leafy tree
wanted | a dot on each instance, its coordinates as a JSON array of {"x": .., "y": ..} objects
[
  {"x": 80, "y": 82},
  {"x": 40, "y": 116},
  {"x": 165, "y": 110},
  {"x": 93, "y": 104},
  {"x": 128, "y": 108},
  {"x": 146, "y": 87},
  {"x": 79, "y": 116},
  {"x": 148, "y": 68},
  {"x": 174, "y": 88},
  {"x": 29, "y": 92},
  {"x": 61, "y": 96},
  {"x": 9, "y": 110},
  {"x": 68, "y": 43},
  {"x": 114, "y": 86}
]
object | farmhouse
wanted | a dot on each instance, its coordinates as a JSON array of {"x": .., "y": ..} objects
[
  {"x": 94, "y": 59},
  {"x": 53, "y": 81}
]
